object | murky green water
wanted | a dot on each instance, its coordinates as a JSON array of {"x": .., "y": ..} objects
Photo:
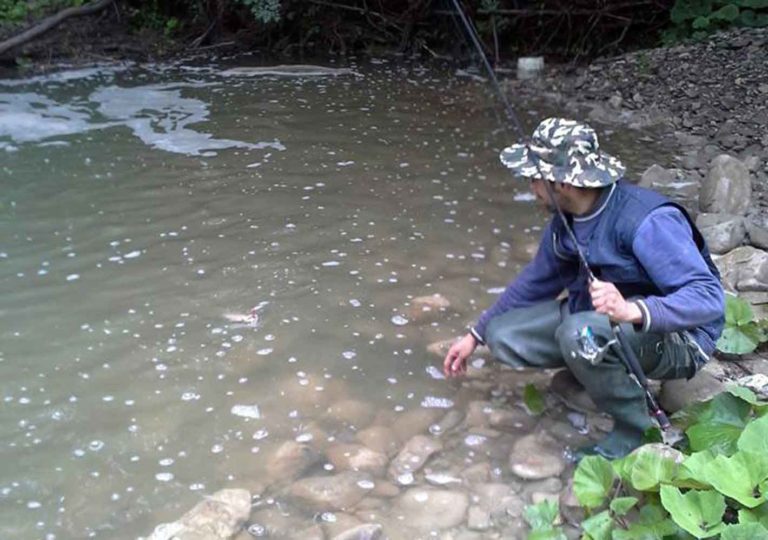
[{"x": 140, "y": 206}]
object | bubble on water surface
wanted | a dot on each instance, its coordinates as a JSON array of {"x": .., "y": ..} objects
[
  {"x": 164, "y": 477},
  {"x": 399, "y": 320}
]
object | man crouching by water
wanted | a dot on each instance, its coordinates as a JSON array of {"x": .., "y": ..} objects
[{"x": 654, "y": 275}]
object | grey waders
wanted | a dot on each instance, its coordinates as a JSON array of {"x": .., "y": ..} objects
[{"x": 547, "y": 336}]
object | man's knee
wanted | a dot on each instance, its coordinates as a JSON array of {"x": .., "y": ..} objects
[{"x": 568, "y": 334}]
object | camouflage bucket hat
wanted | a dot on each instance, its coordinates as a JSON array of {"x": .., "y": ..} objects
[{"x": 566, "y": 151}]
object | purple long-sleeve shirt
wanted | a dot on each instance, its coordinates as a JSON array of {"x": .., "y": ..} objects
[{"x": 663, "y": 245}]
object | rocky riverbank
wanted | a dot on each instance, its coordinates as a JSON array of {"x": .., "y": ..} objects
[{"x": 711, "y": 95}]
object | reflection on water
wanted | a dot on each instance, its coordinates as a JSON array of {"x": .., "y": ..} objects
[{"x": 331, "y": 204}]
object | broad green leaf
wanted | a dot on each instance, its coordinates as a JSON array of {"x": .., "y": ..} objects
[
  {"x": 724, "y": 407},
  {"x": 599, "y": 526},
  {"x": 717, "y": 424},
  {"x": 744, "y": 393},
  {"x": 737, "y": 311},
  {"x": 754, "y": 438},
  {"x": 621, "y": 505},
  {"x": 592, "y": 481},
  {"x": 651, "y": 465},
  {"x": 744, "y": 531},
  {"x": 658, "y": 530},
  {"x": 553, "y": 533},
  {"x": 740, "y": 339},
  {"x": 533, "y": 399},
  {"x": 698, "y": 512},
  {"x": 756, "y": 4},
  {"x": 542, "y": 515},
  {"x": 739, "y": 476},
  {"x": 755, "y": 515},
  {"x": 728, "y": 12},
  {"x": 700, "y": 23},
  {"x": 693, "y": 471}
]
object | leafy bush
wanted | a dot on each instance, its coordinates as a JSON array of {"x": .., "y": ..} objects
[
  {"x": 264, "y": 11},
  {"x": 742, "y": 333},
  {"x": 714, "y": 485},
  {"x": 697, "y": 18},
  {"x": 16, "y": 11}
]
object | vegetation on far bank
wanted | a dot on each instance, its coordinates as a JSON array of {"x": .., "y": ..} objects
[{"x": 561, "y": 28}]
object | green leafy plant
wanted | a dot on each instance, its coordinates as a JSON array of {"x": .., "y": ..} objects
[
  {"x": 542, "y": 519},
  {"x": 697, "y": 18},
  {"x": 714, "y": 485},
  {"x": 742, "y": 333},
  {"x": 264, "y": 11},
  {"x": 533, "y": 399}
]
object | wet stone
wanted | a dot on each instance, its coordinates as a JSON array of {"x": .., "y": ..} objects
[
  {"x": 425, "y": 308},
  {"x": 412, "y": 458},
  {"x": 430, "y": 509},
  {"x": 328, "y": 493},
  {"x": 414, "y": 422},
  {"x": 356, "y": 457},
  {"x": 365, "y": 531},
  {"x": 380, "y": 439},
  {"x": 478, "y": 519},
  {"x": 536, "y": 456},
  {"x": 352, "y": 412},
  {"x": 290, "y": 460},
  {"x": 220, "y": 517}
]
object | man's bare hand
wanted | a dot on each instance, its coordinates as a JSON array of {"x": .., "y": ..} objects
[
  {"x": 607, "y": 300},
  {"x": 455, "y": 362}
]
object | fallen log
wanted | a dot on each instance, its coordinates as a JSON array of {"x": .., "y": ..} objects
[{"x": 51, "y": 22}]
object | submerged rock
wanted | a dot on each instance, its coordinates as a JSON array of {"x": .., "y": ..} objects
[
  {"x": 380, "y": 439},
  {"x": 424, "y": 308},
  {"x": 537, "y": 456},
  {"x": 412, "y": 458},
  {"x": 432, "y": 509},
  {"x": 337, "y": 492},
  {"x": 414, "y": 422},
  {"x": 219, "y": 517},
  {"x": 290, "y": 460},
  {"x": 357, "y": 457},
  {"x": 353, "y": 412}
]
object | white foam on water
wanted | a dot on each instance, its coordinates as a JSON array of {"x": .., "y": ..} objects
[
  {"x": 70, "y": 75},
  {"x": 246, "y": 411},
  {"x": 524, "y": 197},
  {"x": 157, "y": 114},
  {"x": 432, "y": 402}
]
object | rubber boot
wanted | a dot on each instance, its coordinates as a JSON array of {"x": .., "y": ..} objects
[{"x": 608, "y": 382}]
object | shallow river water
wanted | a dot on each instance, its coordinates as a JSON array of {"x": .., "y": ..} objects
[{"x": 140, "y": 205}]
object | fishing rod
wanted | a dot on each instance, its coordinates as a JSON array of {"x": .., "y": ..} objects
[{"x": 624, "y": 351}]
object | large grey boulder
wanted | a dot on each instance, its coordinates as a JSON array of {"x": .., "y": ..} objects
[
  {"x": 727, "y": 189},
  {"x": 722, "y": 232},
  {"x": 219, "y": 517},
  {"x": 744, "y": 269},
  {"x": 757, "y": 230}
]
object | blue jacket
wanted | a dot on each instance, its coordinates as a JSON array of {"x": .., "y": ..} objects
[{"x": 647, "y": 246}]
